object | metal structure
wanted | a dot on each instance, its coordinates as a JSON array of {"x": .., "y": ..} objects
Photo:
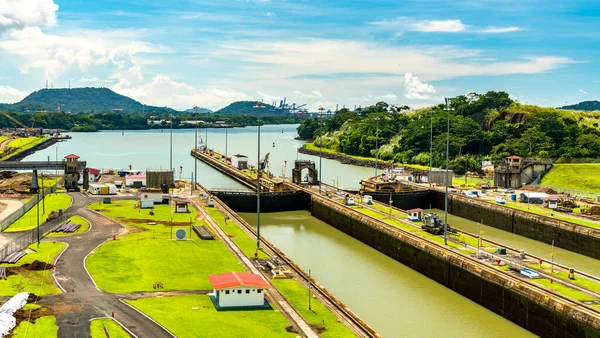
[
  {"x": 258, "y": 106},
  {"x": 320, "y": 146},
  {"x": 300, "y": 165},
  {"x": 448, "y": 109},
  {"x": 25, "y": 128}
]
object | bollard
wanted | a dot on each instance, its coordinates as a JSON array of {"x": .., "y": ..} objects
[
  {"x": 114, "y": 237},
  {"x": 113, "y": 314}
]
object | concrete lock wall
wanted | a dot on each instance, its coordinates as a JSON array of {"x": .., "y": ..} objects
[
  {"x": 404, "y": 200},
  {"x": 269, "y": 202},
  {"x": 530, "y": 308},
  {"x": 569, "y": 236}
]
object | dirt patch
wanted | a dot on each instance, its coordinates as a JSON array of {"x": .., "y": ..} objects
[
  {"x": 318, "y": 328},
  {"x": 33, "y": 298},
  {"x": 538, "y": 188},
  {"x": 292, "y": 329},
  {"x": 63, "y": 308},
  {"x": 37, "y": 266}
]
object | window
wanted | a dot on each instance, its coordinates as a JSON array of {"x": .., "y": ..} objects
[
  {"x": 259, "y": 290},
  {"x": 247, "y": 290},
  {"x": 226, "y": 292},
  {"x": 239, "y": 292}
]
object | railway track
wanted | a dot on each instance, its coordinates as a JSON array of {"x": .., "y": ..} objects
[
  {"x": 521, "y": 280},
  {"x": 358, "y": 326}
]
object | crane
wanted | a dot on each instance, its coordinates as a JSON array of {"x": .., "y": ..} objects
[{"x": 27, "y": 129}]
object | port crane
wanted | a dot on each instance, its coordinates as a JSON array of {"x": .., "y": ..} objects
[{"x": 19, "y": 123}]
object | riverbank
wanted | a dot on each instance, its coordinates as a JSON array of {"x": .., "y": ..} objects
[{"x": 24, "y": 150}]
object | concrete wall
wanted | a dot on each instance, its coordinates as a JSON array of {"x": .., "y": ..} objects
[
  {"x": 405, "y": 199},
  {"x": 569, "y": 236},
  {"x": 528, "y": 307},
  {"x": 269, "y": 202}
]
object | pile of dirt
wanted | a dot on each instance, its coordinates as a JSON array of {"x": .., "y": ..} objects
[
  {"x": 33, "y": 298},
  {"x": 7, "y": 174},
  {"x": 37, "y": 266},
  {"x": 593, "y": 210},
  {"x": 538, "y": 188}
]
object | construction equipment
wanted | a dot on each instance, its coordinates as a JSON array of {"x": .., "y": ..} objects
[
  {"x": 29, "y": 130},
  {"x": 432, "y": 223},
  {"x": 567, "y": 202}
]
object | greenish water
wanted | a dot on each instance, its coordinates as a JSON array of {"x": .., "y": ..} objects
[
  {"x": 392, "y": 298},
  {"x": 568, "y": 258}
]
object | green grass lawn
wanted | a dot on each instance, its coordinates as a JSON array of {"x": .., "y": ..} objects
[
  {"x": 239, "y": 237},
  {"x": 147, "y": 254},
  {"x": 471, "y": 181},
  {"x": 38, "y": 282},
  {"x": 29, "y": 220},
  {"x": 297, "y": 295},
  {"x": 24, "y": 143},
  {"x": 85, "y": 225},
  {"x": 178, "y": 315},
  {"x": 114, "y": 330},
  {"x": 579, "y": 177},
  {"x": 548, "y": 212},
  {"x": 564, "y": 290},
  {"x": 564, "y": 275},
  {"x": 43, "y": 327}
]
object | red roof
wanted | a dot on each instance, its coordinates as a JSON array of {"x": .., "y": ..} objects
[
  {"x": 514, "y": 157},
  {"x": 93, "y": 171},
  {"x": 72, "y": 156},
  {"x": 236, "y": 279},
  {"x": 415, "y": 210}
]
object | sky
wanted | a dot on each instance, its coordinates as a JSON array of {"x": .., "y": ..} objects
[{"x": 349, "y": 53}]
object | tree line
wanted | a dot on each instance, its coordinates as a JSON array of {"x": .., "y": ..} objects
[{"x": 486, "y": 126}]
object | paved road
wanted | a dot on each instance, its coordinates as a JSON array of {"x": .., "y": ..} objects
[{"x": 71, "y": 310}]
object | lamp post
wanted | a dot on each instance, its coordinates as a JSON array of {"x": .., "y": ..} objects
[
  {"x": 206, "y": 136},
  {"x": 376, "y": 146},
  {"x": 171, "y": 145},
  {"x": 320, "y": 146},
  {"x": 195, "y": 149},
  {"x": 447, "y": 180},
  {"x": 258, "y": 106},
  {"x": 430, "y": 147},
  {"x": 226, "y": 127}
]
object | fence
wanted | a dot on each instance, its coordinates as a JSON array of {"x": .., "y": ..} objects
[
  {"x": 31, "y": 236},
  {"x": 26, "y": 207}
]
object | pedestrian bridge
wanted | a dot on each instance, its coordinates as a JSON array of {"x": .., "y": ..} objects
[{"x": 40, "y": 165}]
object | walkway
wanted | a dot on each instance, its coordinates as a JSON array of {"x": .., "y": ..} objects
[{"x": 81, "y": 300}]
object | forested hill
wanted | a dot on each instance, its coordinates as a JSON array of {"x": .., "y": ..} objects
[
  {"x": 80, "y": 100},
  {"x": 585, "y": 106},
  {"x": 246, "y": 107}
]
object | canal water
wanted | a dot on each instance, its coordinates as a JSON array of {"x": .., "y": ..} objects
[
  {"x": 392, "y": 298},
  {"x": 565, "y": 257},
  {"x": 150, "y": 149}
]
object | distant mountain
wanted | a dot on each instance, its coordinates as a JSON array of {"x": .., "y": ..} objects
[
  {"x": 247, "y": 107},
  {"x": 200, "y": 110},
  {"x": 80, "y": 100},
  {"x": 585, "y": 105}
]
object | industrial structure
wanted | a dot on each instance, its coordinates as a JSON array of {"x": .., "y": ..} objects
[
  {"x": 515, "y": 171},
  {"x": 156, "y": 179}
]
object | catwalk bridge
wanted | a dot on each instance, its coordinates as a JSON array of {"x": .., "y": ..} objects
[{"x": 40, "y": 165}]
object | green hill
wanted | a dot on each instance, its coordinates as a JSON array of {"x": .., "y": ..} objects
[
  {"x": 246, "y": 107},
  {"x": 80, "y": 100},
  {"x": 585, "y": 105}
]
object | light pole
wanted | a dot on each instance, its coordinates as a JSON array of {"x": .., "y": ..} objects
[
  {"x": 206, "y": 136},
  {"x": 447, "y": 180},
  {"x": 258, "y": 106},
  {"x": 430, "y": 148},
  {"x": 320, "y": 146},
  {"x": 376, "y": 145},
  {"x": 195, "y": 149},
  {"x": 226, "y": 143},
  {"x": 171, "y": 146}
]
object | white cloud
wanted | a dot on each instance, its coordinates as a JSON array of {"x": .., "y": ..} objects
[
  {"x": 162, "y": 91},
  {"x": 11, "y": 95},
  {"x": 18, "y": 14},
  {"x": 325, "y": 104},
  {"x": 449, "y": 26},
  {"x": 312, "y": 94},
  {"x": 269, "y": 14},
  {"x": 94, "y": 79},
  {"x": 86, "y": 50},
  {"x": 415, "y": 89},
  {"x": 496, "y": 30},
  {"x": 385, "y": 97},
  {"x": 582, "y": 91}
]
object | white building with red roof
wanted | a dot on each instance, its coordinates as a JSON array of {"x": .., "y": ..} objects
[{"x": 238, "y": 289}]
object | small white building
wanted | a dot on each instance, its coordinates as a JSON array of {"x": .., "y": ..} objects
[
  {"x": 181, "y": 205},
  {"x": 238, "y": 289},
  {"x": 135, "y": 180},
  {"x": 239, "y": 161},
  {"x": 154, "y": 195}
]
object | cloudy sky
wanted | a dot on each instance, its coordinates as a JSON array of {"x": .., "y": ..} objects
[{"x": 347, "y": 52}]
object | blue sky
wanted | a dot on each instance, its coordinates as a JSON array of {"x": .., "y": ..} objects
[{"x": 323, "y": 53}]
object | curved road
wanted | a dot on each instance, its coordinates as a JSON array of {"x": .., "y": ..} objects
[{"x": 72, "y": 311}]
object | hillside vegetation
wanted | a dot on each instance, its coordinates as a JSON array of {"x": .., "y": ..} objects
[
  {"x": 482, "y": 126},
  {"x": 585, "y": 105},
  {"x": 576, "y": 178},
  {"x": 78, "y": 100},
  {"x": 246, "y": 107}
]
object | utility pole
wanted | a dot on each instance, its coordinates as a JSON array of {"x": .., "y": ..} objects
[
  {"x": 43, "y": 199},
  {"x": 38, "y": 220},
  {"x": 258, "y": 106},
  {"x": 226, "y": 127},
  {"x": 320, "y": 146},
  {"x": 430, "y": 148},
  {"x": 195, "y": 149},
  {"x": 171, "y": 146},
  {"x": 376, "y": 146},
  {"x": 309, "y": 293},
  {"x": 447, "y": 180}
]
